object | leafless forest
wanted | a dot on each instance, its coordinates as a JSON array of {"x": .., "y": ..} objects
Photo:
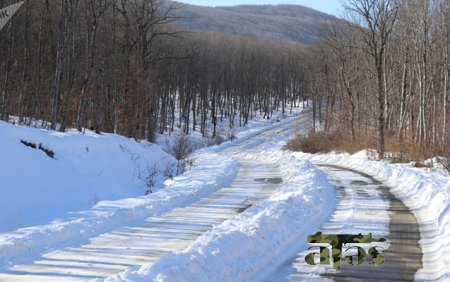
[
  {"x": 384, "y": 73},
  {"x": 123, "y": 66}
]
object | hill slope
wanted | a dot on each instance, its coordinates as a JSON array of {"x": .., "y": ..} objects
[{"x": 292, "y": 23}]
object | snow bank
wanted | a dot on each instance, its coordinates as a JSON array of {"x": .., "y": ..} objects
[
  {"x": 426, "y": 193},
  {"x": 232, "y": 251}
]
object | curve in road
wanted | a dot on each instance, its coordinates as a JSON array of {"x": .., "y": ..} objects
[{"x": 365, "y": 206}]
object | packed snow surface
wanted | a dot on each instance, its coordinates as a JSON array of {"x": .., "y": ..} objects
[{"x": 295, "y": 211}]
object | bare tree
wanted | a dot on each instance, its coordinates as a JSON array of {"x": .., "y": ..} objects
[
  {"x": 61, "y": 49},
  {"x": 375, "y": 20}
]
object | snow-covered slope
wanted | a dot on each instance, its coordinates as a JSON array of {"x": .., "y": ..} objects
[
  {"x": 426, "y": 193},
  {"x": 86, "y": 169}
]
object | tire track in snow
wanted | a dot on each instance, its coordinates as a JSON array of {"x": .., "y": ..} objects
[{"x": 365, "y": 206}]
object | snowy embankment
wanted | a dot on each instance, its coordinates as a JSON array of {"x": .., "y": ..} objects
[
  {"x": 85, "y": 169},
  {"x": 426, "y": 193},
  {"x": 233, "y": 250}
]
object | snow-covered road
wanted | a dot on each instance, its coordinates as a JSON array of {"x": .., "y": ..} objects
[
  {"x": 243, "y": 213},
  {"x": 365, "y": 206},
  {"x": 137, "y": 245}
]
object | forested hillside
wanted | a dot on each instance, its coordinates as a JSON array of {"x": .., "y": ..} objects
[
  {"x": 292, "y": 23},
  {"x": 121, "y": 66}
]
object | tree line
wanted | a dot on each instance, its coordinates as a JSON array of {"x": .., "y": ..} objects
[
  {"x": 122, "y": 66},
  {"x": 388, "y": 68}
]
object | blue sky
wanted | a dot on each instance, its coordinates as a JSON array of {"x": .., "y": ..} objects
[{"x": 327, "y": 6}]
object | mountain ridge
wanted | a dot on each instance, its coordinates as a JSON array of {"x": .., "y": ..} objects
[{"x": 286, "y": 23}]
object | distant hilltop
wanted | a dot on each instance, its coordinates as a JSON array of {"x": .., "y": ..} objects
[{"x": 290, "y": 23}]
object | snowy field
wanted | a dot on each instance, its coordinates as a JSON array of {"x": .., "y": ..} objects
[{"x": 85, "y": 169}]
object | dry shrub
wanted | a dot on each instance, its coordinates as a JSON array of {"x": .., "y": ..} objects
[
  {"x": 352, "y": 146},
  {"x": 406, "y": 150},
  {"x": 41, "y": 147},
  {"x": 398, "y": 151},
  {"x": 315, "y": 142},
  {"x": 182, "y": 147},
  {"x": 337, "y": 140}
]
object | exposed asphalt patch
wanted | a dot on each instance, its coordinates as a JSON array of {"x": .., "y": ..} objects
[
  {"x": 359, "y": 183},
  {"x": 241, "y": 210},
  {"x": 363, "y": 193},
  {"x": 276, "y": 180}
]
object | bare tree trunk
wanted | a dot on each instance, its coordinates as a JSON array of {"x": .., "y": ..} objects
[
  {"x": 9, "y": 75},
  {"x": 56, "y": 88},
  {"x": 446, "y": 71},
  {"x": 26, "y": 55},
  {"x": 381, "y": 109}
]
